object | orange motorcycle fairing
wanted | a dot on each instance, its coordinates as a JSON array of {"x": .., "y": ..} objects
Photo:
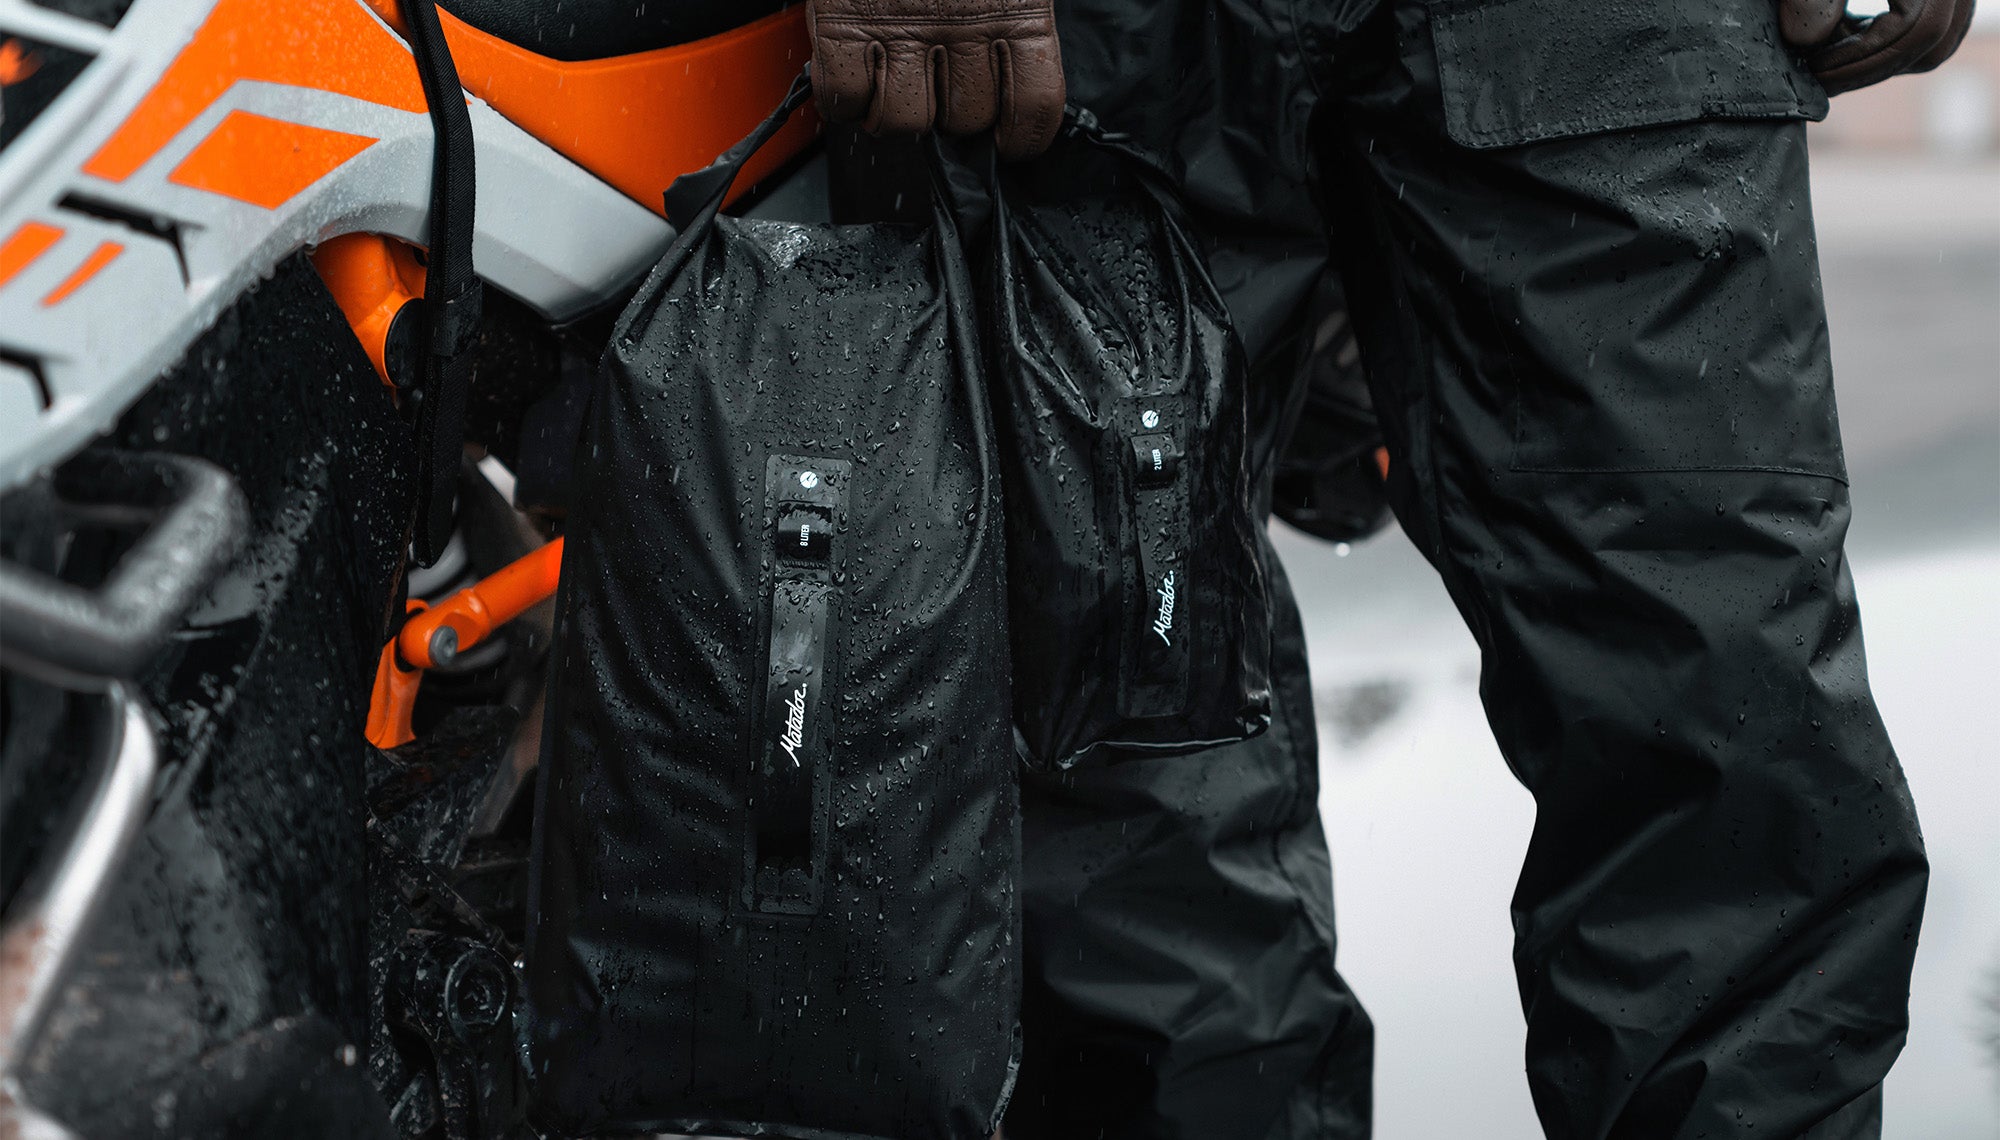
[
  {"x": 639, "y": 121},
  {"x": 323, "y": 45},
  {"x": 291, "y": 157},
  {"x": 24, "y": 245}
]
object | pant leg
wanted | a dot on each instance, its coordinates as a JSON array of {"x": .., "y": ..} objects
[
  {"x": 1180, "y": 978},
  {"x": 1178, "y": 912},
  {"x": 1592, "y": 312}
]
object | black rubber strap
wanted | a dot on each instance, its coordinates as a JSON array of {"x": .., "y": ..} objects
[
  {"x": 451, "y": 288},
  {"x": 696, "y": 196}
]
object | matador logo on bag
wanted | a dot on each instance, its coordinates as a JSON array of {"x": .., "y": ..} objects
[
  {"x": 1164, "y": 620},
  {"x": 793, "y": 733}
]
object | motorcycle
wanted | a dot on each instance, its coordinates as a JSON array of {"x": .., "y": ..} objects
[
  {"x": 265, "y": 780},
  {"x": 224, "y": 910}
]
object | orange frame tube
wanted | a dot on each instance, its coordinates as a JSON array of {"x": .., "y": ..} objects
[
  {"x": 371, "y": 277},
  {"x": 469, "y": 617},
  {"x": 394, "y": 698},
  {"x": 475, "y": 612}
]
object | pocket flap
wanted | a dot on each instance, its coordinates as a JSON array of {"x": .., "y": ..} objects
[{"x": 1521, "y": 71}]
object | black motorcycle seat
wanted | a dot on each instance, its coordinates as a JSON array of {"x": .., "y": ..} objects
[{"x": 596, "y": 29}]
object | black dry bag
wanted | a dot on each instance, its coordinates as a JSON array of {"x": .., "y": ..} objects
[
  {"x": 777, "y": 839},
  {"x": 1136, "y": 588}
]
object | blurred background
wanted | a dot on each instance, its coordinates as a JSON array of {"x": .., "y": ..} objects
[{"x": 1426, "y": 824}]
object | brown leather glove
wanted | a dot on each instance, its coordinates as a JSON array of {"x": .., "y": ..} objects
[
  {"x": 1846, "y": 52},
  {"x": 907, "y": 66}
]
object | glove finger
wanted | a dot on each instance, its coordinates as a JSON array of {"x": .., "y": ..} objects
[
  {"x": 1884, "y": 46},
  {"x": 1806, "y": 23},
  {"x": 1031, "y": 95},
  {"x": 969, "y": 89},
  {"x": 904, "y": 99},
  {"x": 844, "y": 70},
  {"x": 1953, "y": 36}
]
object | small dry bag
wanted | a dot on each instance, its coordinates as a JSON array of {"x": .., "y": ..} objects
[{"x": 1138, "y": 610}]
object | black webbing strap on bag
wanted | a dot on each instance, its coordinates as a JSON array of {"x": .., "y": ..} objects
[{"x": 451, "y": 288}]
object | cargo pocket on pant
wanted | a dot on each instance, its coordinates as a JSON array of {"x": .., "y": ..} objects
[
  {"x": 1520, "y": 71},
  {"x": 1656, "y": 262}
]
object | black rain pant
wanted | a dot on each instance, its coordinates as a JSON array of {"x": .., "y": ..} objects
[{"x": 1577, "y": 245}]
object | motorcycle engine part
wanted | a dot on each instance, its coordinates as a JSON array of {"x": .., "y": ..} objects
[{"x": 458, "y": 994}]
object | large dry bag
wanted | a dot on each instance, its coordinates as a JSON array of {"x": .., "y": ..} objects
[
  {"x": 774, "y": 880},
  {"x": 1139, "y": 617}
]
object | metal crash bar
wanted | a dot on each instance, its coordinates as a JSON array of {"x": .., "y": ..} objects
[{"x": 41, "y": 932}]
